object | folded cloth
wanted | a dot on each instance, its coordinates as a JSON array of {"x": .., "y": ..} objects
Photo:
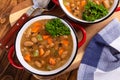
[{"x": 101, "y": 60}]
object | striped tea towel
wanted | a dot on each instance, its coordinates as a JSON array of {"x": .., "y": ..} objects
[{"x": 101, "y": 60}]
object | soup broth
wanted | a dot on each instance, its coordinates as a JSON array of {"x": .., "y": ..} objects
[
  {"x": 77, "y": 7},
  {"x": 43, "y": 51}
]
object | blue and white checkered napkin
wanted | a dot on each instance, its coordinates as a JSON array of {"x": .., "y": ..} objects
[{"x": 101, "y": 60}]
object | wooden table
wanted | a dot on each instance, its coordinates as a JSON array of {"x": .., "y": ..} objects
[{"x": 11, "y": 8}]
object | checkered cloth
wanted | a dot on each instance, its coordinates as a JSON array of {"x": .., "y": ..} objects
[{"x": 101, "y": 60}]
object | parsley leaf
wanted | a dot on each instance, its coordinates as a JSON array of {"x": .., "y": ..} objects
[
  {"x": 56, "y": 27},
  {"x": 94, "y": 11}
]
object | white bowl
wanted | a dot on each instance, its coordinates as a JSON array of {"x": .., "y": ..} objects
[
  {"x": 36, "y": 71},
  {"x": 114, "y": 6}
]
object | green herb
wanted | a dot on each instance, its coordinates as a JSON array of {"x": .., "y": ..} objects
[
  {"x": 56, "y": 27},
  {"x": 56, "y": 53},
  {"x": 48, "y": 68},
  {"x": 39, "y": 37},
  {"x": 94, "y": 11},
  {"x": 36, "y": 53}
]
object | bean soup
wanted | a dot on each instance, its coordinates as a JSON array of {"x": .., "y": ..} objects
[
  {"x": 45, "y": 51},
  {"x": 88, "y": 10}
]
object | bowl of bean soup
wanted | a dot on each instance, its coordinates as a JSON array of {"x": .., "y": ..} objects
[
  {"x": 88, "y": 11},
  {"x": 46, "y": 45}
]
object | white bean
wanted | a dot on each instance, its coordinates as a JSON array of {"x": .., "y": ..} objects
[
  {"x": 52, "y": 44},
  {"x": 34, "y": 40},
  {"x": 97, "y": 2},
  {"x": 28, "y": 33},
  {"x": 38, "y": 64},
  {"x": 28, "y": 43},
  {"x": 106, "y": 3},
  {"x": 64, "y": 54},
  {"x": 47, "y": 53}
]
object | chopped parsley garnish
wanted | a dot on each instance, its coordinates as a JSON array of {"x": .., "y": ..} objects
[
  {"x": 56, "y": 27},
  {"x": 94, "y": 11}
]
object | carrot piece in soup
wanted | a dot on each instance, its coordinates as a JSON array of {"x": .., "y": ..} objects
[
  {"x": 41, "y": 51},
  {"x": 65, "y": 42},
  {"x": 67, "y": 5},
  {"x": 68, "y": 8},
  {"x": 27, "y": 57},
  {"x": 49, "y": 40},
  {"x": 83, "y": 3},
  {"x": 52, "y": 61},
  {"x": 60, "y": 52},
  {"x": 36, "y": 27},
  {"x": 45, "y": 37}
]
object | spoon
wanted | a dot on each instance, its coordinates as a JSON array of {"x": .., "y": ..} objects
[
  {"x": 49, "y": 7},
  {"x": 41, "y": 4}
]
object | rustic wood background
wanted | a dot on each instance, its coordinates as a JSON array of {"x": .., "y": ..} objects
[{"x": 8, "y": 72}]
